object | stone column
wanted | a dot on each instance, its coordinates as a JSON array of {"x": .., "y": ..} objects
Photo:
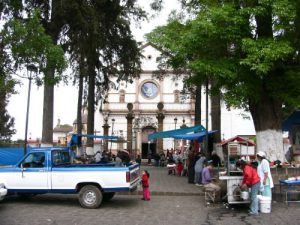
[
  {"x": 105, "y": 133},
  {"x": 183, "y": 126},
  {"x": 139, "y": 143},
  {"x": 160, "y": 119},
  {"x": 129, "y": 118}
]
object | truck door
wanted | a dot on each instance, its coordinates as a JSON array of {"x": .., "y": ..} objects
[{"x": 33, "y": 173}]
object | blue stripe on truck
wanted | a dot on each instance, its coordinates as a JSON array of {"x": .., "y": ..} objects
[{"x": 63, "y": 191}]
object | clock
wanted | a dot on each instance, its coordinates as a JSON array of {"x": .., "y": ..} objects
[{"x": 149, "y": 89}]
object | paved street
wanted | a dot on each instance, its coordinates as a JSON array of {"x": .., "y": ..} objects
[{"x": 173, "y": 201}]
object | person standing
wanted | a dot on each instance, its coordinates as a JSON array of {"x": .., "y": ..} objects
[
  {"x": 198, "y": 169},
  {"x": 118, "y": 161},
  {"x": 149, "y": 157},
  {"x": 192, "y": 158},
  {"x": 216, "y": 159},
  {"x": 138, "y": 159},
  {"x": 264, "y": 172},
  {"x": 250, "y": 180},
  {"x": 145, "y": 185}
]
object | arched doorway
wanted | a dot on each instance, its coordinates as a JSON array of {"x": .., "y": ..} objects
[{"x": 147, "y": 146}]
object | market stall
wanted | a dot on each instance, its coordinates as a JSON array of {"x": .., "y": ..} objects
[{"x": 234, "y": 149}]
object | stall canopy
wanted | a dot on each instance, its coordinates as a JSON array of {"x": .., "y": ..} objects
[
  {"x": 239, "y": 140},
  {"x": 196, "y": 136},
  {"x": 171, "y": 133},
  {"x": 293, "y": 119}
]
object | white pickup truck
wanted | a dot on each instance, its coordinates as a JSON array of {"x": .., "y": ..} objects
[{"x": 50, "y": 171}]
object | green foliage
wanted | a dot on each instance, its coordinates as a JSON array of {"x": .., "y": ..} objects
[
  {"x": 6, "y": 89},
  {"x": 29, "y": 44},
  {"x": 221, "y": 43},
  {"x": 264, "y": 54}
]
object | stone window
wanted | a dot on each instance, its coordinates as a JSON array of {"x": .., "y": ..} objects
[
  {"x": 122, "y": 96},
  {"x": 176, "y": 96}
]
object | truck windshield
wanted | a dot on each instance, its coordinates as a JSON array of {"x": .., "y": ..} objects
[
  {"x": 35, "y": 159},
  {"x": 60, "y": 158}
]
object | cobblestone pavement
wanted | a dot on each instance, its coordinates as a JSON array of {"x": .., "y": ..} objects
[{"x": 173, "y": 201}]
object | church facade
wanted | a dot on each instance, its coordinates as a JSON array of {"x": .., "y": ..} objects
[{"x": 134, "y": 110}]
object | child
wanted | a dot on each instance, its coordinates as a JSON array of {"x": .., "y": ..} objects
[
  {"x": 145, "y": 184},
  {"x": 179, "y": 168}
]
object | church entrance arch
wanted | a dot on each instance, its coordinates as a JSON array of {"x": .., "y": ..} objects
[{"x": 147, "y": 146}]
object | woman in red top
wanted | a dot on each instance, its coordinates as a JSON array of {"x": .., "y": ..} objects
[
  {"x": 251, "y": 180},
  {"x": 145, "y": 185}
]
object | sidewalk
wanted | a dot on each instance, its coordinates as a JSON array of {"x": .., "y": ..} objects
[
  {"x": 163, "y": 184},
  {"x": 173, "y": 185}
]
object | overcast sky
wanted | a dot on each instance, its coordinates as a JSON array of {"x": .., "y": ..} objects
[{"x": 66, "y": 96}]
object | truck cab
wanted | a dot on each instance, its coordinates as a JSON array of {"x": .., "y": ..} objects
[{"x": 50, "y": 170}]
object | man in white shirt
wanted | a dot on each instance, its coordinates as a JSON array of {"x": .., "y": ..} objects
[{"x": 98, "y": 157}]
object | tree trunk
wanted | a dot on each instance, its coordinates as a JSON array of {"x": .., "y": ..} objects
[
  {"x": 266, "y": 114},
  {"x": 215, "y": 108},
  {"x": 198, "y": 105},
  {"x": 91, "y": 103},
  {"x": 267, "y": 111},
  {"x": 79, "y": 100},
  {"x": 53, "y": 29},
  {"x": 47, "y": 132}
]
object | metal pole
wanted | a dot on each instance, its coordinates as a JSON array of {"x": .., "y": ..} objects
[
  {"x": 175, "y": 121},
  {"x": 135, "y": 147},
  {"x": 112, "y": 132},
  {"x": 31, "y": 68},
  {"x": 27, "y": 114},
  {"x": 206, "y": 120}
]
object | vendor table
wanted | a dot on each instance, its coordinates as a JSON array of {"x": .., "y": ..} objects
[{"x": 291, "y": 188}]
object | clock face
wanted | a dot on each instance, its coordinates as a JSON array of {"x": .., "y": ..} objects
[{"x": 149, "y": 89}]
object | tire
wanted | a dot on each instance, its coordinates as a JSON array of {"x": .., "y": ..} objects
[
  {"x": 108, "y": 196},
  {"x": 90, "y": 197}
]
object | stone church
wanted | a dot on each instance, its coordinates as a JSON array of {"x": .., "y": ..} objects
[{"x": 135, "y": 110}]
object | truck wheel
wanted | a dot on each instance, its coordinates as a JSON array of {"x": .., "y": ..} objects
[
  {"x": 90, "y": 197},
  {"x": 108, "y": 196}
]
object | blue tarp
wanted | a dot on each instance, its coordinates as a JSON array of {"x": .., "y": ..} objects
[
  {"x": 196, "y": 136},
  {"x": 171, "y": 133},
  {"x": 10, "y": 156},
  {"x": 293, "y": 119}
]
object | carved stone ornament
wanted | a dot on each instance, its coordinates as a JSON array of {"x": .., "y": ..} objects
[
  {"x": 160, "y": 106},
  {"x": 130, "y": 107}
]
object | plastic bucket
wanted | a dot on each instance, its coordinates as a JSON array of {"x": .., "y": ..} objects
[
  {"x": 245, "y": 195},
  {"x": 264, "y": 204}
]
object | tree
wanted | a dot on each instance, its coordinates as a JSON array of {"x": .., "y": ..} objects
[
  {"x": 6, "y": 89},
  {"x": 102, "y": 45},
  {"x": 97, "y": 33},
  {"x": 51, "y": 62},
  {"x": 25, "y": 43},
  {"x": 250, "y": 50}
]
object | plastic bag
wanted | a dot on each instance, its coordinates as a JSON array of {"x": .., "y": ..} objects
[{"x": 261, "y": 188}]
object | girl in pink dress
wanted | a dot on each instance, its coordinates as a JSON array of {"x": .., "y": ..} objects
[{"x": 145, "y": 185}]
